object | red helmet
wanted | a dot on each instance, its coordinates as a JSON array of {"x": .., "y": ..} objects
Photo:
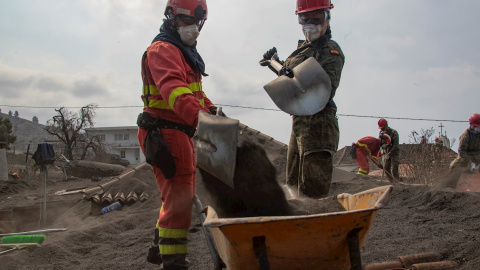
[
  {"x": 385, "y": 137},
  {"x": 310, "y": 5},
  {"x": 475, "y": 120},
  {"x": 382, "y": 123},
  {"x": 192, "y": 8}
]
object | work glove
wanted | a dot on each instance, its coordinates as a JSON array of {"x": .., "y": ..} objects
[
  {"x": 268, "y": 55},
  {"x": 213, "y": 110}
]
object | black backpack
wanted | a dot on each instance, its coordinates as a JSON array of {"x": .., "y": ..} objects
[
  {"x": 44, "y": 154},
  {"x": 353, "y": 151}
]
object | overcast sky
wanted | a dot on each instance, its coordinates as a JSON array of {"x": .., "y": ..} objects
[{"x": 404, "y": 59}]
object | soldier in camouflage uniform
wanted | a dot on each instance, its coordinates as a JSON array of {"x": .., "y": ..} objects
[
  {"x": 469, "y": 145},
  {"x": 468, "y": 152},
  {"x": 392, "y": 150},
  {"x": 314, "y": 138}
]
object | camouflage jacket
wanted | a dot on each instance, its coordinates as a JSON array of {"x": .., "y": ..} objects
[
  {"x": 393, "y": 148},
  {"x": 469, "y": 143},
  {"x": 328, "y": 54}
]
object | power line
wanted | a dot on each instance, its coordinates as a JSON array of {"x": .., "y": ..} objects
[
  {"x": 254, "y": 108},
  {"x": 404, "y": 118}
]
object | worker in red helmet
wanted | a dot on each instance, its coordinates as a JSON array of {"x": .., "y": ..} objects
[
  {"x": 392, "y": 156},
  {"x": 314, "y": 138},
  {"x": 172, "y": 71},
  {"x": 468, "y": 154},
  {"x": 369, "y": 146},
  {"x": 469, "y": 145}
]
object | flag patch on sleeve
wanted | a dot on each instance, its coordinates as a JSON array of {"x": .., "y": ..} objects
[{"x": 335, "y": 52}]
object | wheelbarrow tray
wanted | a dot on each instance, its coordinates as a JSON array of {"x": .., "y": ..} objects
[{"x": 298, "y": 242}]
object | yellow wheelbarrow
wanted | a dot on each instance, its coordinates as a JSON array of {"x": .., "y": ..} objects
[{"x": 320, "y": 241}]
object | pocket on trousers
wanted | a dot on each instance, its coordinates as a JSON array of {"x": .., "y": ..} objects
[{"x": 157, "y": 153}]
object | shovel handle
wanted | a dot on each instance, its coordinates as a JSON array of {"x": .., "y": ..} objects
[
  {"x": 219, "y": 111},
  {"x": 8, "y": 250},
  {"x": 276, "y": 65}
]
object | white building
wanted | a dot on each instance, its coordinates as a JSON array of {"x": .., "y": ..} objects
[{"x": 121, "y": 141}]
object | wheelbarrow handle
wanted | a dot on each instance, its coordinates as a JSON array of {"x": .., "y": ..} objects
[{"x": 217, "y": 261}]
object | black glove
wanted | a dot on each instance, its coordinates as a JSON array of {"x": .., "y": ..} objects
[
  {"x": 268, "y": 55},
  {"x": 213, "y": 111}
]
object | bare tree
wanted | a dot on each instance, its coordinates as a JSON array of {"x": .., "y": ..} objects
[
  {"x": 92, "y": 142},
  {"x": 416, "y": 138},
  {"x": 68, "y": 127},
  {"x": 425, "y": 163}
]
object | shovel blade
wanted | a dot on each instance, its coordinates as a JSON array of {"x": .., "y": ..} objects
[
  {"x": 216, "y": 146},
  {"x": 306, "y": 93}
]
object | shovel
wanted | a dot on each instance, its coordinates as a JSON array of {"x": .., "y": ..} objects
[
  {"x": 305, "y": 92},
  {"x": 216, "y": 145}
]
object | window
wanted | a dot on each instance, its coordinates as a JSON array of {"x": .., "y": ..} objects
[
  {"x": 102, "y": 137},
  {"x": 118, "y": 137},
  {"x": 126, "y": 137},
  {"x": 122, "y": 154}
]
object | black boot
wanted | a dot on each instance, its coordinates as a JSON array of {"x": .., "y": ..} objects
[{"x": 153, "y": 255}]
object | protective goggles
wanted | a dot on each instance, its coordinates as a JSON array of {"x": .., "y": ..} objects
[
  {"x": 314, "y": 17},
  {"x": 191, "y": 20}
]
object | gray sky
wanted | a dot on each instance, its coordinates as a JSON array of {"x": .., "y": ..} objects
[{"x": 404, "y": 59}]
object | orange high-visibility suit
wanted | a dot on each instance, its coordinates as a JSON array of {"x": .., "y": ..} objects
[
  {"x": 367, "y": 146},
  {"x": 172, "y": 90}
]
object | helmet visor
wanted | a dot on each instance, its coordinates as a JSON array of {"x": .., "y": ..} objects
[{"x": 314, "y": 17}]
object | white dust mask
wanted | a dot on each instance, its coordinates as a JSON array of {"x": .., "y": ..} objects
[
  {"x": 312, "y": 31},
  {"x": 188, "y": 34},
  {"x": 476, "y": 130}
]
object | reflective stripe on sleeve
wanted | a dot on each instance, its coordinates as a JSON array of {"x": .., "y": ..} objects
[{"x": 151, "y": 96}]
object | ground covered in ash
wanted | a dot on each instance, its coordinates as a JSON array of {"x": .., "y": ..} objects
[{"x": 417, "y": 219}]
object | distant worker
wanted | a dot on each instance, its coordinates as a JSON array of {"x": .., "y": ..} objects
[
  {"x": 369, "y": 146},
  {"x": 172, "y": 72},
  {"x": 468, "y": 153},
  {"x": 392, "y": 155},
  {"x": 469, "y": 145},
  {"x": 314, "y": 138}
]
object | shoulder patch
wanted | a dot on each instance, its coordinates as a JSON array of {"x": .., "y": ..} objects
[{"x": 335, "y": 52}]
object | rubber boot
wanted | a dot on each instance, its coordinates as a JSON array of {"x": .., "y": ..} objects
[{"x": 153, "y": 255}]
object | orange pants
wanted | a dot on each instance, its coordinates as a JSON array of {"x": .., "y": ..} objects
[
  {"x": 362, "y": 161},
  {"x": 177, "y": 192}
]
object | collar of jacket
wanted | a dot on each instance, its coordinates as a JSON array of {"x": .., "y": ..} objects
[
  {"x": 317, "y": 44},
  {"x": 170, "y": 35}
]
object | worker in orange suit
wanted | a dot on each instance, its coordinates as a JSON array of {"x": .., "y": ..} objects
[
  {"x": 172, "y": 71},
  {"x": 369, "y": 146}
]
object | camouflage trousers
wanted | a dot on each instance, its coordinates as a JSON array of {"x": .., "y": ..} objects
[
  {"x": 391, "y": 166},
  {"x": 313, "y": 141}
]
